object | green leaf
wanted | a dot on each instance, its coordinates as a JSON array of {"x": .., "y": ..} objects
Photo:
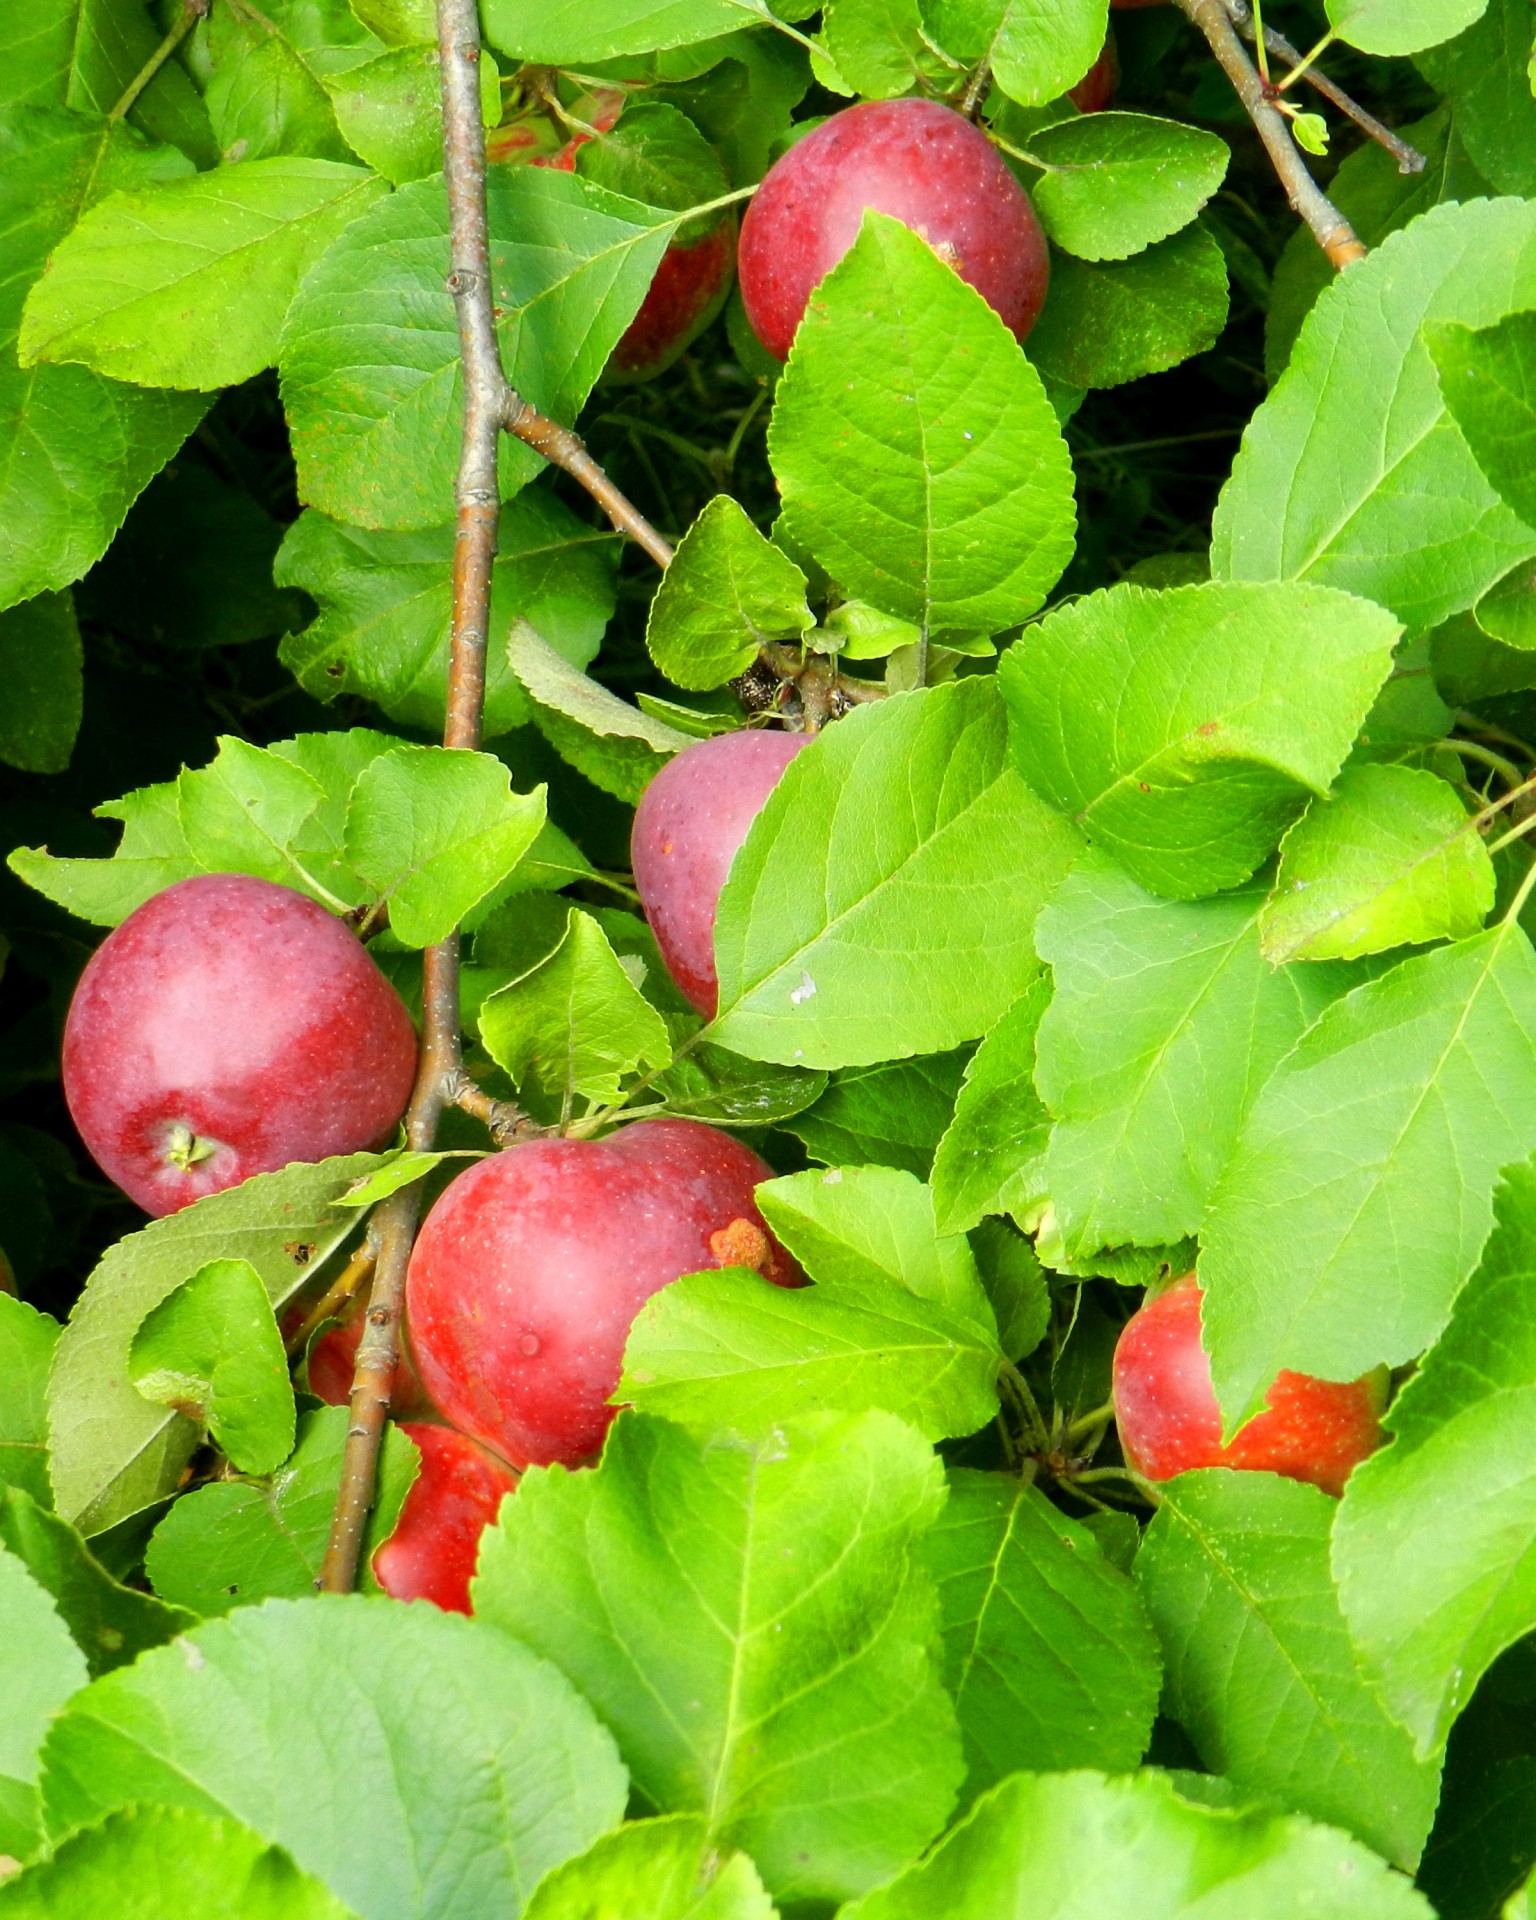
[
  {"x": 386, "y": 606},
  {"x": 436, "y": 830},
  {"x": 989, "y": 1160},
  {"x": 77, "y": 448},
  {"x": 1078, "y": 1846},
  {"x": 936, "y": 486},
  {"x": 40, "y": 1667},
  {"x": 41, "y": 671},
  {"x": 113, "y": 1453},
  {"x": 1360, "y": 1189},
  {"x": 727, "y": 1352},
  {"x": 1488, "y": 378},
  {"x": 1435, "y": 1544},
  {"x": 27, "y": 1342},
  {"x": 1048, "y": 1651},
  {"x": 1015, "y": 1284},
  {"x": 234, "y": 1543},
  {"x": 423, "y": 1767},
  {"x": 1184, "y": 729},
  {"x": 390, "y": 112},
  {"x": 768, "y": 1664},
  {"x": 185, "y": 284},
  {"x": 577, "y": 1023},
  {"x": 576, "y": 31},
  {"x": 1240, "y": 1560},
  {"x": 152, "y": 855},
  {"x": 1036, "y": 49},
  {"x": 658, "y": 157},
  {"x": 1107, "y": 322},
  {"x": 1351, "y": 473},
  {"x": 82, "y": 54},
  {"x": 267, "y": 90},
  {"x": 726, "y": 1090},
  {"x": 1484, "y": 74},
  {"x": 1391, "y": 860},
  {"x": 891, "y": 1114},
  {"x": 1165, "y": 1023},
  {"x": 129, "y": 1865},
  {"x": 372, "y": 383},
  {"x": 242, "y": 813},
  {"x": 1376, "y": 200},
  {"x": 874, "y": 1226},
  {"x": 836, "y": 946},
  {"x": 653, "y": 1870},
  {"x": 1116, "y": 182},
  {"x": 616, "y": 746},
  {"x": 727, "y": 592},
  {"x": 111, "y": 1624},
  {"x": 1401, "y": 26},
  {"x": 879, "y": 48},
  {"x": 213, "y": 1352}
]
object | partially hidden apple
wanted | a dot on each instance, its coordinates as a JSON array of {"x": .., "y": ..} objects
[
  {"x": 228, "y": 1027},
  {"x": 920, "y": 162},
  {"x": 531, "y": 1267},
  {"x": 1095, "y": 92},
  {"x": 1169, "y": 1422},
  {"x": 456, "y": 1494},
  {"x": 690, "y": 822},
  {"x": 333, "y": 1362}
]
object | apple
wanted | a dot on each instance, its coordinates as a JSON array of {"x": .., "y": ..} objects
[
  {"x": 916, "y": 160},
  {"x": 531, "y": 1267},
  {"x": 1095, "y": 92},
  {"x": 1169, "y": 1422},
  {"x": 686, "y": 292},
  {"x": 456, "y": 1495},
  {"x": 333, "y": 1362},
  {"x": 690, "y": 821},
  {"x": 228, "y": 1027}
]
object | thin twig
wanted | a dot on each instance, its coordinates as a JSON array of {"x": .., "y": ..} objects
[
  {"x": 503, "y": 1120},
  {"x": 478, "y": 503},
  {"x": 1409, "y": 159},
  {"x": 191, "y": 12},
  {"x": 1330, "y": 229},
  {"x": 564, "y": 449}
]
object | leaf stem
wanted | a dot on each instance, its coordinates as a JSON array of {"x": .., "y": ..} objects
[
  {"x": 1332, "y": 232},
  {"x": 191, "y": 12},
  {"x": 1507, "y": 769},
  {"x": 1017, "y": 1389}
]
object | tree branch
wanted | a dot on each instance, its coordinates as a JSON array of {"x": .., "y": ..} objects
[
  {"x": 1330, "y": 229},
  {"x": 1409, "y": 159}
]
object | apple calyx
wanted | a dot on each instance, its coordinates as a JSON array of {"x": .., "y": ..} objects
[{"x": 185, "y": 1149}]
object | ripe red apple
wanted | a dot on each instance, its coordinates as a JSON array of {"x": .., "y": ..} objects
[
  {"x": 227, "y": 1027},
  {"x": 690, "y": 821},
  {"x": 1165, "y": 1406},
  {"x": 1095, "y": 92},
  {"x": 530, "y": 1269},
  {"x": 431, "y": 1553},
  {"x": 333, "y": 1362},
  {"x": 916, "y": 160},
  {"x": 686, "y": 292}
]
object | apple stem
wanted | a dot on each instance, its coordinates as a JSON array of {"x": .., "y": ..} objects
[
  {"x": 336, "y": 1296},
  {"x": 1332, "y": 232}
]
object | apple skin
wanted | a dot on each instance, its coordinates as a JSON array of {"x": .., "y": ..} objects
[
  {"x": 1095, "y": 92},
  {"x": 531, "y": 1267},
  {"x": 244, "y": 1014},
  {"x": 690, "y": 822},
  {"x": 916, "y": 160},
  {"x": 456, "y": 1495},
  {"x": 333, "y": 1363},
  {"x": 686, "y": 292},
  {"x": 1169, "y": 1422}
]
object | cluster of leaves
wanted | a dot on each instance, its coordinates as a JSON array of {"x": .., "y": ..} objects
[{"x": 1182, "y": 919}]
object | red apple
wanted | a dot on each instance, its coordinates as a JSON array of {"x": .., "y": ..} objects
[
  {"x": 1165, "y": 1406},
  {"x": 916, "y": 160},
  {"x": 1095, "y": 92},
  {"x": 530, "y": 1269},
  {"x": 431, "y": 1553},
  {"x": 686, "y": 292},
  {"x": 333, "y": 1362},
  {"x": 690, "y": 821},
  {"x": 228, "y": 1027}
]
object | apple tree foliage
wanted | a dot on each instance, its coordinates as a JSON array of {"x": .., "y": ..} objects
[{"x": 1163, "y": 901}]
